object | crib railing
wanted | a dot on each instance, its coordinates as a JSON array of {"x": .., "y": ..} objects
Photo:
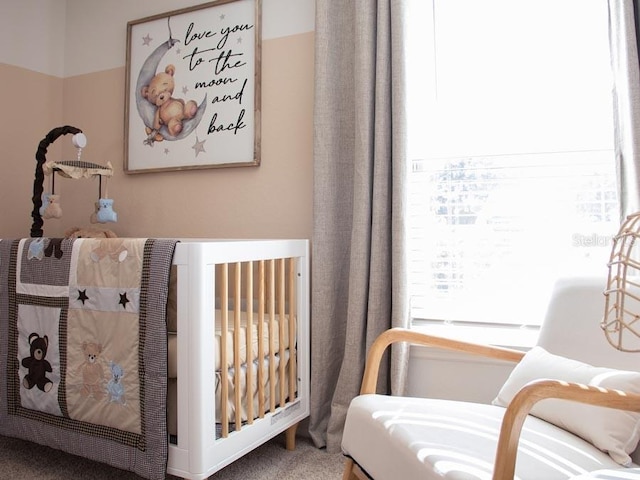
[{"x": 264, "y": 290}]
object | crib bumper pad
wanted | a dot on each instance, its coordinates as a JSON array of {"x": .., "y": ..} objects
[
  {"x": 263, "y": 379},
  {"x": 242, "y": 347}
]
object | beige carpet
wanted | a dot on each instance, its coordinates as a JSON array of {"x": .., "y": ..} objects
[{"x": 24, "y": 460}]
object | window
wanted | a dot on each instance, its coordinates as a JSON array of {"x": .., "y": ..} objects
[{"x": 512, "y": 182}]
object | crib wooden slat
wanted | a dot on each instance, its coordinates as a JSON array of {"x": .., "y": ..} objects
[
  {"x": 224, "y": 328},
  {"x": 237, "y": 365},
  {"x": 272, "y": 347},
  {"x": 292, "y": 331},
  {"x": 250, "y": 357},
  {"x": 261, "y": 352},
  {"x": 281, "y": 328}
]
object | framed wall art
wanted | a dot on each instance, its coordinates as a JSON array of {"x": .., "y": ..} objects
[{"x": 193, "y": 79}]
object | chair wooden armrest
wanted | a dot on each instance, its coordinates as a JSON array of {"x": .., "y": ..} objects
[
  {"x": 395, "y": 335},
  {"x": 535, "y": 391},
  {"x": 519, "y": 407}
]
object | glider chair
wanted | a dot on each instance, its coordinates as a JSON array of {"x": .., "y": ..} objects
[{"x": 569, "y": 409}]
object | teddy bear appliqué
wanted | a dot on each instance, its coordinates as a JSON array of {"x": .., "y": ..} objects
[
  {"x": 170, "y": 111},
  {"x": 112, "y": 248},
  {"x": 92, "y": 371},
  {"x": 114, "y": 386},
  {"x": 36, "y": 364}
]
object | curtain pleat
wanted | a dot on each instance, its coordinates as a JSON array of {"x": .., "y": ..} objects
[
  {"x": 359, "y": 272},
  {"x": 623, "y": 25}
]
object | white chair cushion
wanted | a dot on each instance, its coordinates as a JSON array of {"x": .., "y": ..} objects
[
  {"x": 612, "y": 474},
  {"x": 436, "y": 439},
  {"x": 613, "y": 431}
]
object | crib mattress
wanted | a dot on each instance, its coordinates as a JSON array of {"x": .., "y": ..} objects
[{"x": 242, "y": 348}]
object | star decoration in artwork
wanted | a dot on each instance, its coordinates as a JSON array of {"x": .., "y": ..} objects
[
  {"x": 124, "y": 300},
  {"x": 146, "y": 40},
  {"x": 199, "y": 146},
  {"x": 239, "y": 40},
  {"x": 222, "y": 17},
  {"x": 185, "y": 89},
  {"x": 166, "y": 151},
  {"x": 82, "y": 295}
]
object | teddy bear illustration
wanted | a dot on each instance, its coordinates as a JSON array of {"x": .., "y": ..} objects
[
  {"x": 170, "y": 111},
  {"x": 37, "y": 365},
  {"x": 114, "y": 386},
  {"x": 91, "y": 370}
]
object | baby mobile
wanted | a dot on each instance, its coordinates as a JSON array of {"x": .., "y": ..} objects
[{"x": 46, "y": 204}]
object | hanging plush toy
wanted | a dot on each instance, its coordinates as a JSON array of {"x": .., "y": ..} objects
[
  {"x": 53, "y": 210},
  {"x": 94, "y": 216},
  {"x": 105, "y": 212},
  {"x": 45, "y": 203}
]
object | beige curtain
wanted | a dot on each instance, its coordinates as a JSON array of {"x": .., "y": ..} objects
[
  {"x": 359, "y": 274},
  {"x": 623, "y": 23}
]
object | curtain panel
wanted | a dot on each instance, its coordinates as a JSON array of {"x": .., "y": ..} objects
[
  {"x": 623, "y": 27},
  {"x": 359, "y": 273}
]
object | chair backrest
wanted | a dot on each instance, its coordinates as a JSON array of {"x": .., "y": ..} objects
[{"x": 571, "y": 328}]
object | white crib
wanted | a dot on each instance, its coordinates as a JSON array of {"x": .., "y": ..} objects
[{"x": 202, "y": 268}]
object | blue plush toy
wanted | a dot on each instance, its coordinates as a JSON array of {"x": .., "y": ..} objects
[
  {"x": 105, "y": 211},
  {"x": 45, "y": 203}
]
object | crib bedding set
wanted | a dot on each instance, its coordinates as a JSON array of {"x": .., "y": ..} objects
[
  {"x": 126, "y": 351},
  {"x": 82, "y": 348}
]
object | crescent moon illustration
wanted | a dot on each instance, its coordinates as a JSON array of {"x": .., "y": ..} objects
[{"x": 147, "y": 110}]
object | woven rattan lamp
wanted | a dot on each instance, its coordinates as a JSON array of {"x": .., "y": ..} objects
[{"x": 621, "y": 322}]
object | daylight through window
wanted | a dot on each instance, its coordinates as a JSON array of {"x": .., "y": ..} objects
[{"x": 512, "y": 180}]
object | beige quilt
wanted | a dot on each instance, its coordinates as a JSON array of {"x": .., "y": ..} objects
[{"x": 83, "y": 347}]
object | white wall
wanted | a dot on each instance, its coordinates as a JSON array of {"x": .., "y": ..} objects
[
  {"x": 94, "y": 19},
  {"x": 32, "y": 35},
  {"x": 62, "y": 38}
]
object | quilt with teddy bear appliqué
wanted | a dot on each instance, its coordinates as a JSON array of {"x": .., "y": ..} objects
[{"x": 83, "y": 347}]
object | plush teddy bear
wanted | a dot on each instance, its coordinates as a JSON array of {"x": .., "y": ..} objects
[
  {"x": 37, "y": 365},
  {"x": 92, "y": 371},
  {"x": 45, "y": 203},
  {"x": 53, "y": 208},
  {"x": 105, "y": 211},
  {"x": 170, "y": 111},
  {"x": 89, "y": 232}
]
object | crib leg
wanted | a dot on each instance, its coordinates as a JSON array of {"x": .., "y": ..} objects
[{"x": 290, "y": 437}]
